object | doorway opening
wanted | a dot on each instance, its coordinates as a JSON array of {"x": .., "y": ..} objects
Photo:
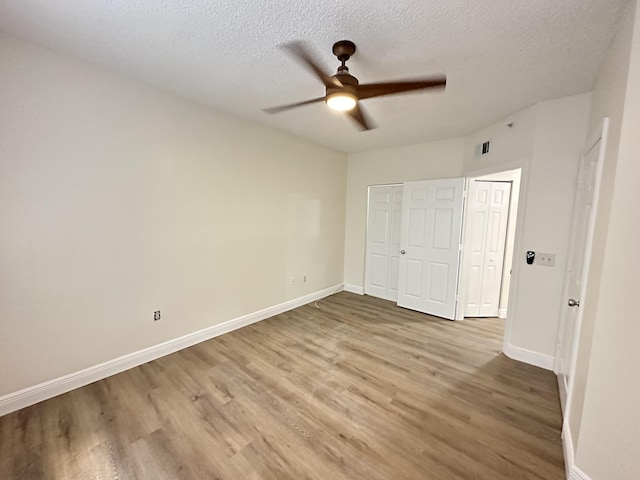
[{"x": 488, "y": 244}]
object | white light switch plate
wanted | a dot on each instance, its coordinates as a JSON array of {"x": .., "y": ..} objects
[{"x": 546, "y": 259}]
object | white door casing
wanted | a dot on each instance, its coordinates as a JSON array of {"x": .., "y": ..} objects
[
  {"x": 383, "y": 241},
  {"x": 431, "y": 232},
  {"x": 575, "y": 285},
  {"x": 486, "y": 214}
]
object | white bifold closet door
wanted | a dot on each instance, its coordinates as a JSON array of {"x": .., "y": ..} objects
[
  {"x": 383, "y": 241},
  {"x": 430, "y": 244},
  {"x": 487, "y": 218}
]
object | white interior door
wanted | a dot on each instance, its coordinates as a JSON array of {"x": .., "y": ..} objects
[
  {"x": 383, "y": 241},
  {"x": 430, "y": 241},
  {"x": 487, "y": 217},
  {"x": 394, "y": 244},
  {"x": 582, "y": 227}
]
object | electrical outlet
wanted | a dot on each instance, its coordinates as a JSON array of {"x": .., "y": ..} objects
[
  {"x": 292, "y": 281},
  {"x": 546, "y": 259},
  {"x": 304, "y": 279},
  {"x": 156, "y": 315}
]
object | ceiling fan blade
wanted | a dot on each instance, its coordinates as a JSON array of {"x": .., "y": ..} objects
[
  {"x": 369, "y": 90},
  {"x": 282, "y": 108},
  {"x": 361, "y": 119},
  {"x": 299, "y": 51}
]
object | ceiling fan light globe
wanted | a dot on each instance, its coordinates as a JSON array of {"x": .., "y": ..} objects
[{"x": 341, "y": 102}]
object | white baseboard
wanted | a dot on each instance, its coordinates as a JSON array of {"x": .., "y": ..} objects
[
  {"x": 577, "y": 474},
  {"x": 528, "y": 356},
  {"x": 502, "y": 313},
  {"x": 573, "y": 472},
  {"x": 37, "y": 393},
  {"x": 354, "y": 289}
]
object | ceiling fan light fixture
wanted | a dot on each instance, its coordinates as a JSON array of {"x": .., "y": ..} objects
[
  {"x": 343, "y": 91},
  {"x": 342, "y": 101}
]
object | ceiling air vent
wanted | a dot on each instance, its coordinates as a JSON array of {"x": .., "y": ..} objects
[{"x": 482, "y": 148}]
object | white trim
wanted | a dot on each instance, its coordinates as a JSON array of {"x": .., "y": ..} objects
[
  {"x": 43, "y": 391},
  {"x": 577, "y": 474},
  {"x": 517, "y": 264},
  {"x": 386, "y": 185},
  {"x": 572, "y": 471},
  {"x": 502, "y": 167},
  {"x": 354, "y": 289},
  {"x": 502, "y": 313},
  {"x": 528, "y": 356},
  {"x": 567, "y": 447}
]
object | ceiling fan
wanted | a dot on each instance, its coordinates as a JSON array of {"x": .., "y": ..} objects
[{"x": 343, "y": 91}]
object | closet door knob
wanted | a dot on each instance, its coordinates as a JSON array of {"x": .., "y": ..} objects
[{"x": 402, "y": 252}]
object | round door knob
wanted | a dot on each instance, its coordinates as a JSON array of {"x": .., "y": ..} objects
[
  {"x": 402, "y": 252},
  {"x": 573, "y": 303}
]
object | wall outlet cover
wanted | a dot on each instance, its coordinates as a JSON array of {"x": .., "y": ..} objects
[{"x": 546, "y": 259}]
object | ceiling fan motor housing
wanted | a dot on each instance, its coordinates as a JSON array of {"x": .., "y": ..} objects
[
  {"x": 344, "y": 49},
  {"x": 345, "y": 78},
  {"x": 349, "y": 84}
]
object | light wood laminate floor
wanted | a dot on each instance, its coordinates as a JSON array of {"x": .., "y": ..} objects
[{"x": 356, "y": 389}]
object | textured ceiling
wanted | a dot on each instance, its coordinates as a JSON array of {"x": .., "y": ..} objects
[{"x": 499, "y": 55}]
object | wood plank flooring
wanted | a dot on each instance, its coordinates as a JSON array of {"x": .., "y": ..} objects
[{"x": 355, "y": 389}]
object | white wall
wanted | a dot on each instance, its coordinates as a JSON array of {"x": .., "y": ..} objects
[
  {"x": 508, "y": 145},
  {"x": 608, "y": 101},
  {"x": 393, "y": 165},
  {"x": 117, "y": 199},
  {"x": 546, "y": 140},
  {"x": 608, "y": 439},
  {"x": 559, "y": 140}
]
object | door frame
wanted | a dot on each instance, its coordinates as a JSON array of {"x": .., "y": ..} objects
[
  {"x": 517, "y": 265},
  {"x": 600, "y": 135},
  {"x": 465, "y": 261}
]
